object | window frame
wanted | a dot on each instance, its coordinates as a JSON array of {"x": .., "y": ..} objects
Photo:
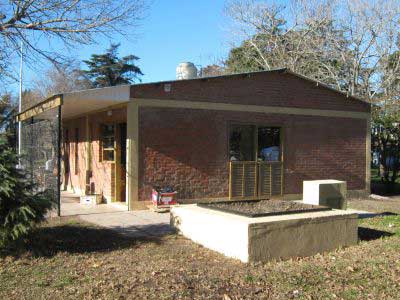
[
  {"x": 107, "y": 149},
  {"x": 256, "y": 125}
]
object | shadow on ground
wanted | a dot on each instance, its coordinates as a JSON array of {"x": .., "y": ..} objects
[
  {"x": 384, "y": 189},
  {"x": 49, "y": 240},
  {"x": 387, "y": 213},
  {"x": 369, "y": 234}
]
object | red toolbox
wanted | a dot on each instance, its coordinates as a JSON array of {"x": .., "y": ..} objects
[{"x": 163, "y": 199}]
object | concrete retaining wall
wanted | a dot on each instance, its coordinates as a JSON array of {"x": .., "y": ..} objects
[{"x": 266, "y": 238}]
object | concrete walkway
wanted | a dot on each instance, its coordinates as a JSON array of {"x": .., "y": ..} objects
[
  {"x": 70, "y": 206},
  {"x": 144, "y": 223},
  {"x": 116, "y": 216}
]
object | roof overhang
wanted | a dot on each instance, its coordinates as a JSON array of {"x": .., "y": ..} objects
[
  {"x": 83, "y": 102},
  {"x": 79, "y": 103},
  {"x": 41, "y": 108}
]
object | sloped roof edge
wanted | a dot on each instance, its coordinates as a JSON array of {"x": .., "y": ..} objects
[{"x": 277, "y": 70}]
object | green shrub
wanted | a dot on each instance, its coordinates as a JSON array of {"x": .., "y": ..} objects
[{"x": 21, "y": 206}]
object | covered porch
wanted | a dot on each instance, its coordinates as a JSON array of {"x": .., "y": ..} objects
[{"x": 75, "y": 144}]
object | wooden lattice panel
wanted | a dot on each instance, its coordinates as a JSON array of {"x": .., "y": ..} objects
[
  {"x": 264, "y": 173},
  {"x": 236, "y": 180},
  {"x": 255, "y": 179},
  {"x": 276, "y": 182},
  {"x": 250, "y": 180}
]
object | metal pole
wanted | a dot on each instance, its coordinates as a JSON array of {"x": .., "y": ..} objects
[
  {"x": 59, "y": 162},
  {"x": 20, "y": 102}
]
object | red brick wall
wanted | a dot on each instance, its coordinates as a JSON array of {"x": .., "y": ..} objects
[
  {"x": 261, "y": 88},
  {"x": 188, "y": 149},
  {"x": 101, "y": 179}
]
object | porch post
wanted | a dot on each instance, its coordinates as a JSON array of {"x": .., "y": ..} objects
[
  {"x": 59, "y": 137},
  {"x": 132, "y": 155},
  {"x": 368, "y": 158}
]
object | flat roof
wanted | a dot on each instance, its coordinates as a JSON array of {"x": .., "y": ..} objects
[{"x": 79, "y": 102}]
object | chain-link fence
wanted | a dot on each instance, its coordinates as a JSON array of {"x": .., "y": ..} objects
[{"x": 40, "y": 150}]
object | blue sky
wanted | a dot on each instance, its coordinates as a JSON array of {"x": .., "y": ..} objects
[{"x": 172, "y": 31}]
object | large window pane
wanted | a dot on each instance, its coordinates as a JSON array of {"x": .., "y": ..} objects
[
  {"x": 269, "y": 144},
  {"x": 242, "y": 143}
]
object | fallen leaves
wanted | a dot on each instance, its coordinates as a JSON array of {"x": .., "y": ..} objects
[{"x": 175, "y": 268}]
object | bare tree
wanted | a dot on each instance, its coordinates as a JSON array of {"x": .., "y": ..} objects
[
  {"x": 352, "y": 45},
  {"x": 30, "y": 97},
  {"x": 211, "y": 70},
  {"x": 66, "y": 78},
  {"x": 345, "y": 43},
  {"x": 71, "y": 22}
]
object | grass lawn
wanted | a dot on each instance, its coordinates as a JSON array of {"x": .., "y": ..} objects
[
  {"x": 375, "y": 177},
  {"x": 67, "y": 259}
]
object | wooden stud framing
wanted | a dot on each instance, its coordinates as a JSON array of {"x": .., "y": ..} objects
[
  {"x": 256, "y": 185},
  {"x": 270, "y": 180},
  {"x": 258, "y": 167},
  {"x": 243, "y": 179}
]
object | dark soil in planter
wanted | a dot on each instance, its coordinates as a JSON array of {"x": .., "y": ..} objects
[{"x": 262, "y": 208}]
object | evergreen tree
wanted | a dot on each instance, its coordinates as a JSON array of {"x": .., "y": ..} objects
[
  {"x": 109, "y": 70},
  {"x": 243, "y": 59},
  {"x": 21, "y": 206}
]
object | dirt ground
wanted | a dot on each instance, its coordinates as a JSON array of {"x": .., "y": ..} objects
[
  {"x": 386, "y": 204},
  {"x": 68, "y": 259},
  {"x": 263, "y": 207}
]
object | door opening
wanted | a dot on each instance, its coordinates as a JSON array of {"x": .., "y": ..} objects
[
  {"x": 121, "y": 164},
  {"x": 66, "y": 151},
  {"x": 256, "y": 162}
]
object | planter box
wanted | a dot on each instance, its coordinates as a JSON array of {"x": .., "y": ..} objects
[
  {"x": 266, "y": 238},
  {"x": 331, "y": 193}
]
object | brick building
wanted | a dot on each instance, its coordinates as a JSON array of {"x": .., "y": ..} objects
[{"x": 253, "y": 135}]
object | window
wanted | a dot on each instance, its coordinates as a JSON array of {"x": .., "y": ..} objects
[
  {"x": 268, "y": 144},
  {"x": 248, "y": 142},
  {"x": 122, "y": 128},
  {"x": 76, "y": 151},
  {"x": 108, "y": 142},
  {"x": 241, "y": 142}
]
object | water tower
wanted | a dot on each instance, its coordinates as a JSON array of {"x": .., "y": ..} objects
[{"x": 186, "y": 70}]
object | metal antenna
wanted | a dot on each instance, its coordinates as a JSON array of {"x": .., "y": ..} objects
[{"x": 20, "y": 101}]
